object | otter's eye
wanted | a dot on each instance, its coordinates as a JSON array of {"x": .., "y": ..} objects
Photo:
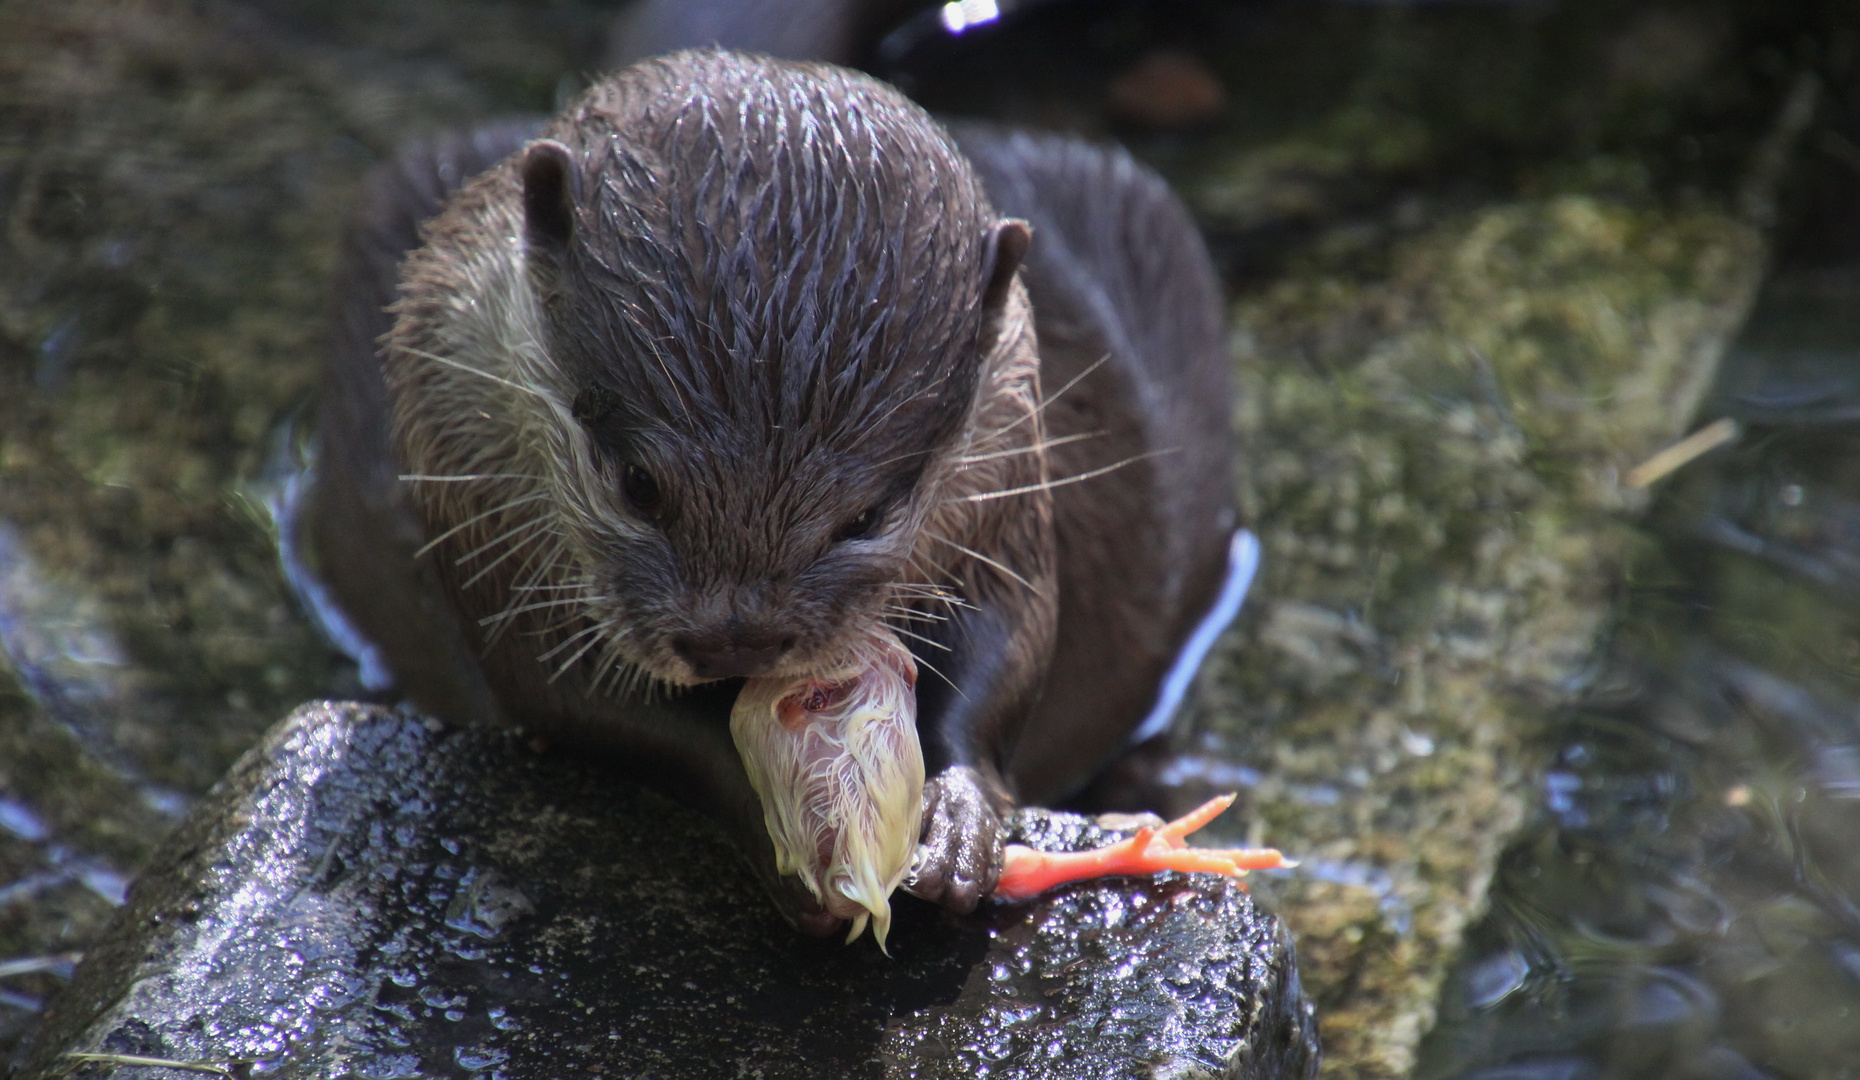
[
  {"x": 863, "y": 526},
  {"x": 641, "y": 490}
]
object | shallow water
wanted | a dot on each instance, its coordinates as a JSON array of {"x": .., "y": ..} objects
[
  {"x": 1685, "y": 897},
  {"x": 1685, "y": 902}
]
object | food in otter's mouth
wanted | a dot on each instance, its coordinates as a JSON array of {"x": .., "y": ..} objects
[{"x": 836, "y": 762}]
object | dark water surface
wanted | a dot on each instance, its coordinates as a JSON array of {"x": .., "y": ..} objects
[
  {"x": 1684, "y": 903},
  {"x": 1684, "y": 899}
]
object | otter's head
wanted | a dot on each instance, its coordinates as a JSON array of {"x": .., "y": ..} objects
[{"x": 769, "y": 294}]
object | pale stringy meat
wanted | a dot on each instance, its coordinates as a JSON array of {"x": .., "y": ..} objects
[{"x": 836, "y": 762}]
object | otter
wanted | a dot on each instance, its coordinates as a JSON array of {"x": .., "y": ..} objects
[{"x": 738, "y": 362}]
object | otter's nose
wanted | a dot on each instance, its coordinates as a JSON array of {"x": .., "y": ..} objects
[{"x": 722, "y": 655}]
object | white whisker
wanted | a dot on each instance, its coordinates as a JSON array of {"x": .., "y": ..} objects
[
  {"x": 938, "y": 672},
  {"x": 973, "y": 459},
  {"x": 909, "y": 614},
  {"x": 449, "y": 362},
  {"x": 566, "y": 642},
  {"x": 932, "y": 642},
  {"x": 475, "y": 518},
  {"x": 1050, "y": 398},
  {"x": 549, "y": 556},
  {"x": 494, "y": 563},
  {"x": 463, "y": 477},
  {"x": 998, "y": 565},
  {"x": 528, "y": 578},
  {"x": 578, "y": 654},
  {"x": 503, "y": 537},
  {"x": 1048, "y": 485},
  {"x": 513, "y": 612}
]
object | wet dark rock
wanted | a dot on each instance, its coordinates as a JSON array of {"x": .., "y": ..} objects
[{"x": 369, "y": 893}]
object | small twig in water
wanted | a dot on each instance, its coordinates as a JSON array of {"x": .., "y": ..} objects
[{"x": 1701, "y": 442}]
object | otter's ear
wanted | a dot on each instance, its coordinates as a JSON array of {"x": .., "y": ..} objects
[
  {"x": 548, "y": 177},
  {"x": 1007, "y": 247}
]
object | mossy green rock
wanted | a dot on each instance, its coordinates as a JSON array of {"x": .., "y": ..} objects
[{"x": 1434, "y": 452}]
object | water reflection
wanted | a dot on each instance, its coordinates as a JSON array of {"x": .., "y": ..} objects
[
  {"x": 1688, "y": 903},
  {"x": 1688, "y": 910}
]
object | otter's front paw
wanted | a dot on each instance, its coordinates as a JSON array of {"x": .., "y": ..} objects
[{"x": 958, "y": 858}]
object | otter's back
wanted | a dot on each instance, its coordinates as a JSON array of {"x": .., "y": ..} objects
[{"x": 1133, "y": 365}]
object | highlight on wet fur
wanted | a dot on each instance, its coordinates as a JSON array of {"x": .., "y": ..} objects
[{"x": 836, "y": 762}]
